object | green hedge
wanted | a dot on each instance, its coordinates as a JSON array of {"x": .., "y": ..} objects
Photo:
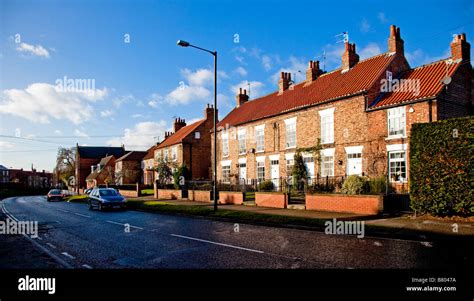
[{"x": 441, "y": 167}]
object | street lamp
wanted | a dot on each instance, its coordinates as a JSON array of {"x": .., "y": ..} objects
[{"x": 183, "y": 43}]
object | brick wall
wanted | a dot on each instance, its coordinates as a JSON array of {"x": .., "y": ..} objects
[
  {"x": 359, "y": 204},
  {"x": 231, "y": 197},
  {"x": 271, "y": 199}
]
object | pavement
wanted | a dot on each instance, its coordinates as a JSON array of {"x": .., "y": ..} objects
[
  {"x": 405, "y": 222},
  {"x": 87, "y": 239}
]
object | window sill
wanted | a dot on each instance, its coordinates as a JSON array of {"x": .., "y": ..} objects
[
  {"x": 290, "y": 147},
  {"x": 394, "y": 137},
  {"x": 260, "y": 151},
  {"x": 242, "y": 154},
  {"x": 329, "y": 142}
]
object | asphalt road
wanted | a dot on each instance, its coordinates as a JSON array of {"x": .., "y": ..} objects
[{"x": 81, "y": 238}]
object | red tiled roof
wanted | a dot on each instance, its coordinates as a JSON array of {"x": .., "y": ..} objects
[
  {"x": 430, "y": 84},
  {"x": 180, "y": 134},
  {"x": 326, "y": 87},
  {"x": 132, "y": 156},
  {"x": 150, "y": 153}
]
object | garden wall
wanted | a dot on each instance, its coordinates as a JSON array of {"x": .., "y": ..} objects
[
  {"x": 359, "y": 204},
  {"x": 271, "y": 199}
]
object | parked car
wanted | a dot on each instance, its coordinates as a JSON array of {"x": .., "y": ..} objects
[
  {"x": 55, "y": 194},
  {"x": 88, "y": 191},
  {"x": 106, "y": 198}
]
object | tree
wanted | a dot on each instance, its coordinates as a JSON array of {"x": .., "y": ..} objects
[
  {"x": 299, "y": 171},
  {"x": 180, "y": 175},
  {"x": 164, "y": 172},
  {"x": 65, "y": 164}
]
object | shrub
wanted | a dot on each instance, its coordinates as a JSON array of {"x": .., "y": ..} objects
[
  {"x": 354, "y": 185},
  {"x": 180, "y": 175},
  {"x": 441, "y": 162},
  {"x": 377, "y": 185},
  {"x": 265, "y": 186}
]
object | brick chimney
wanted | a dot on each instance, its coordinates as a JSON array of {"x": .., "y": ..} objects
[
  {"x": 349, "y": 57},
  {"x": 395, "y": 42},
  {"x": 460, "y": 48},
  {"x": 167, "y": 134},
  {"x": 178, "y": 124},
  {"x": 241, "y": 97},
  {"x": 313, "y": 71},
  {"x": 284, "y": 82},
  {"x": 209, "y": 112}
]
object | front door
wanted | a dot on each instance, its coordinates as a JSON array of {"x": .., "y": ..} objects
[
  {"x": 275, "y": 173},
  {"x": 354, "y": 164},
  {"x": 242, "y": 173}
]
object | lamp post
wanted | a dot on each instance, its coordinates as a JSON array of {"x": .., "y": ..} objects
[{"x": 214, "y": 53}]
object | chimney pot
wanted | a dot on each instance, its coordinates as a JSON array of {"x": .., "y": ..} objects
[
  {"x": 460, "y": 48},
  {"x": 395, "y": 42},
  {"x": 284, "y": 82},
  {"x": 241, "y": 98},
  {"x": 349, "y": 57},
  {"x": 313, "y": 71}
]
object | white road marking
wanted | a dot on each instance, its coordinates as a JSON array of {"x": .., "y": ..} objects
[
  {"x": 218, "y": 243},
  {"x": 62, "y": 210},
  {"x": 68, "y": 255},
  {"x": 83, "y": 215},
  {"x": 427, "y": 244},
  {"x": 51, "y": 245},
  {"x": 87, "y": 266},
  {"x": 378, "y": 244},
  {"x": 131, "y": 226}
]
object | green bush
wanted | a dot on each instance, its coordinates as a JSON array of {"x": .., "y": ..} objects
[
  {"x": 441, "y": 165},
  {"x": 377, "y": 185},
  {"x": 265, "y": 186},
  {"x": 180, "y": 175},
  {"x": 354, "y": 185}
]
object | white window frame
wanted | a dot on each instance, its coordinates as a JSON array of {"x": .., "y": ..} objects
[
  {"x": 165, "y": 155},
  {"x": 290, "y": 133},
  {"x": 241, "y": 137},
  {"x": 395, "y": 160},
  {"x": 327, "y": 153},
  {"x": 174, "y": 153},
  {"x": 225, "y": 145},
  {"x": 327, "y": 125},
  {"x": 260, "y": 139},
  {"x": 260, "y": 163},
  {"x": 396, "y": 119}
]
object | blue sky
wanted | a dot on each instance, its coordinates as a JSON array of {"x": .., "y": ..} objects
[{"x": 141, "y": 85}]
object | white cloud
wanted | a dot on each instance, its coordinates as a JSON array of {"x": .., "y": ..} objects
[
  {"x": 333, "y": 55},
  {"x": 200, "y": 77},
  {"x": 137, "y": 115},
  {"x": 33, "y": 50},
  {"x": 364, "y": 25},
  {"x": 106, "y": 113},
  {"x": 80, "y": 133},
  {"x": 267, "y": 62},
  {"x": 241, "y": 71},
  {"x": 296, "y": 66},
  {"x": 155, "y": 100},
  {"x": 419, "y": 57},
  {"x": 5, "y": 145},
  {"x": 370, "y": 50},
  {"x": 141, "y": 136},
  {"x": 382, "y": 18},
  {"x": 256, "y": 88},
  {"x": 184, "y": 94},
  {"x": 58, "y": 132},
  {"x": 120, "y": 100},
  {"x": 40, "y": 102}
]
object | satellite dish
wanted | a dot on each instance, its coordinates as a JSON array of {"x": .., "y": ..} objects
[{"x": 446, "y": 80}]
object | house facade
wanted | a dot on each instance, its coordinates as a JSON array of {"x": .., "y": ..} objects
[
  {"x": 128, "y": 168},
  {"x": 148, "y": 166},
  {"x": 357, "y": 117},
  {"x": 31, "y": 178},
  {"x": 87, "y": 156},
  {"x": 102, "y": 173},
  {"x": 189, "y": 145}
]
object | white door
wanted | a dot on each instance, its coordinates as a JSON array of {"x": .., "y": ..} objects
[
  {"x": 354, "y": 164},
  {"x": 242, "y": 173},
  {"x": 309, "y": 163},
  {"x": 275, "y": 173}
]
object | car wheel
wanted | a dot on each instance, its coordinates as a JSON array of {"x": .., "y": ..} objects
[{"x": 100, "y": 207}]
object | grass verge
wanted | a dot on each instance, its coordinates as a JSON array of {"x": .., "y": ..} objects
[{"x": 147, "y": 192}]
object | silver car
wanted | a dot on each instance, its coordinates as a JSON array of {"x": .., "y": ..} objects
[{"x": 106, "y": 198}]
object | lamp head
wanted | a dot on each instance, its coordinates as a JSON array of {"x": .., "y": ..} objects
[{"x": 182, "y": 43}]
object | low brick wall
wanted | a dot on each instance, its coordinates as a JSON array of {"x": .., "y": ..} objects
[
  {"x": 199, "y": 195},
  {"x": 129, "y": 193},
  {"x": 271, "y": 199},
  {"x": 167, "y": 194},
  {"x": 231, "y": 197},
  {"x": 359, "y": 204}
]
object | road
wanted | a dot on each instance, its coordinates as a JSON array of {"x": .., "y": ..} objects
[{"x": 82, "y": 238}]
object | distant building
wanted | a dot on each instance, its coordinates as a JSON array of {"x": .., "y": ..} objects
[
  {"x": 148, "y": 166},
  {"x": 31, "y": 178},
  {"x": 4, "y": 174},
  {"x": 87, "y": 156},
  {"x": 128, "y": 168},
  {"x": 102, "y": 173}
]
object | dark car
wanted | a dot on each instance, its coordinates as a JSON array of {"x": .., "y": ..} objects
[
  {"x": 88, "y": 191},
  {"x": 106, "y": 198},
  {"x": 55, "y": 194}
]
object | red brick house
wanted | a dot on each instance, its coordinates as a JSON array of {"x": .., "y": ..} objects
[
  {"x": 102, "y": 173},
  {"x": 189, "y": 145},
  {"x": 87, "y": 156},
  {"x": 148, "y": 165},
  {"x": 31, "y": 178},
  {"x": 128, "y": 168},
  {"x": 361, "y": 113}
]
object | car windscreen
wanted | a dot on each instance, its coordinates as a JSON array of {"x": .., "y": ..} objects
[
  {"x": 107, "y": 192},
  {"x": 55, "y": 192}
]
